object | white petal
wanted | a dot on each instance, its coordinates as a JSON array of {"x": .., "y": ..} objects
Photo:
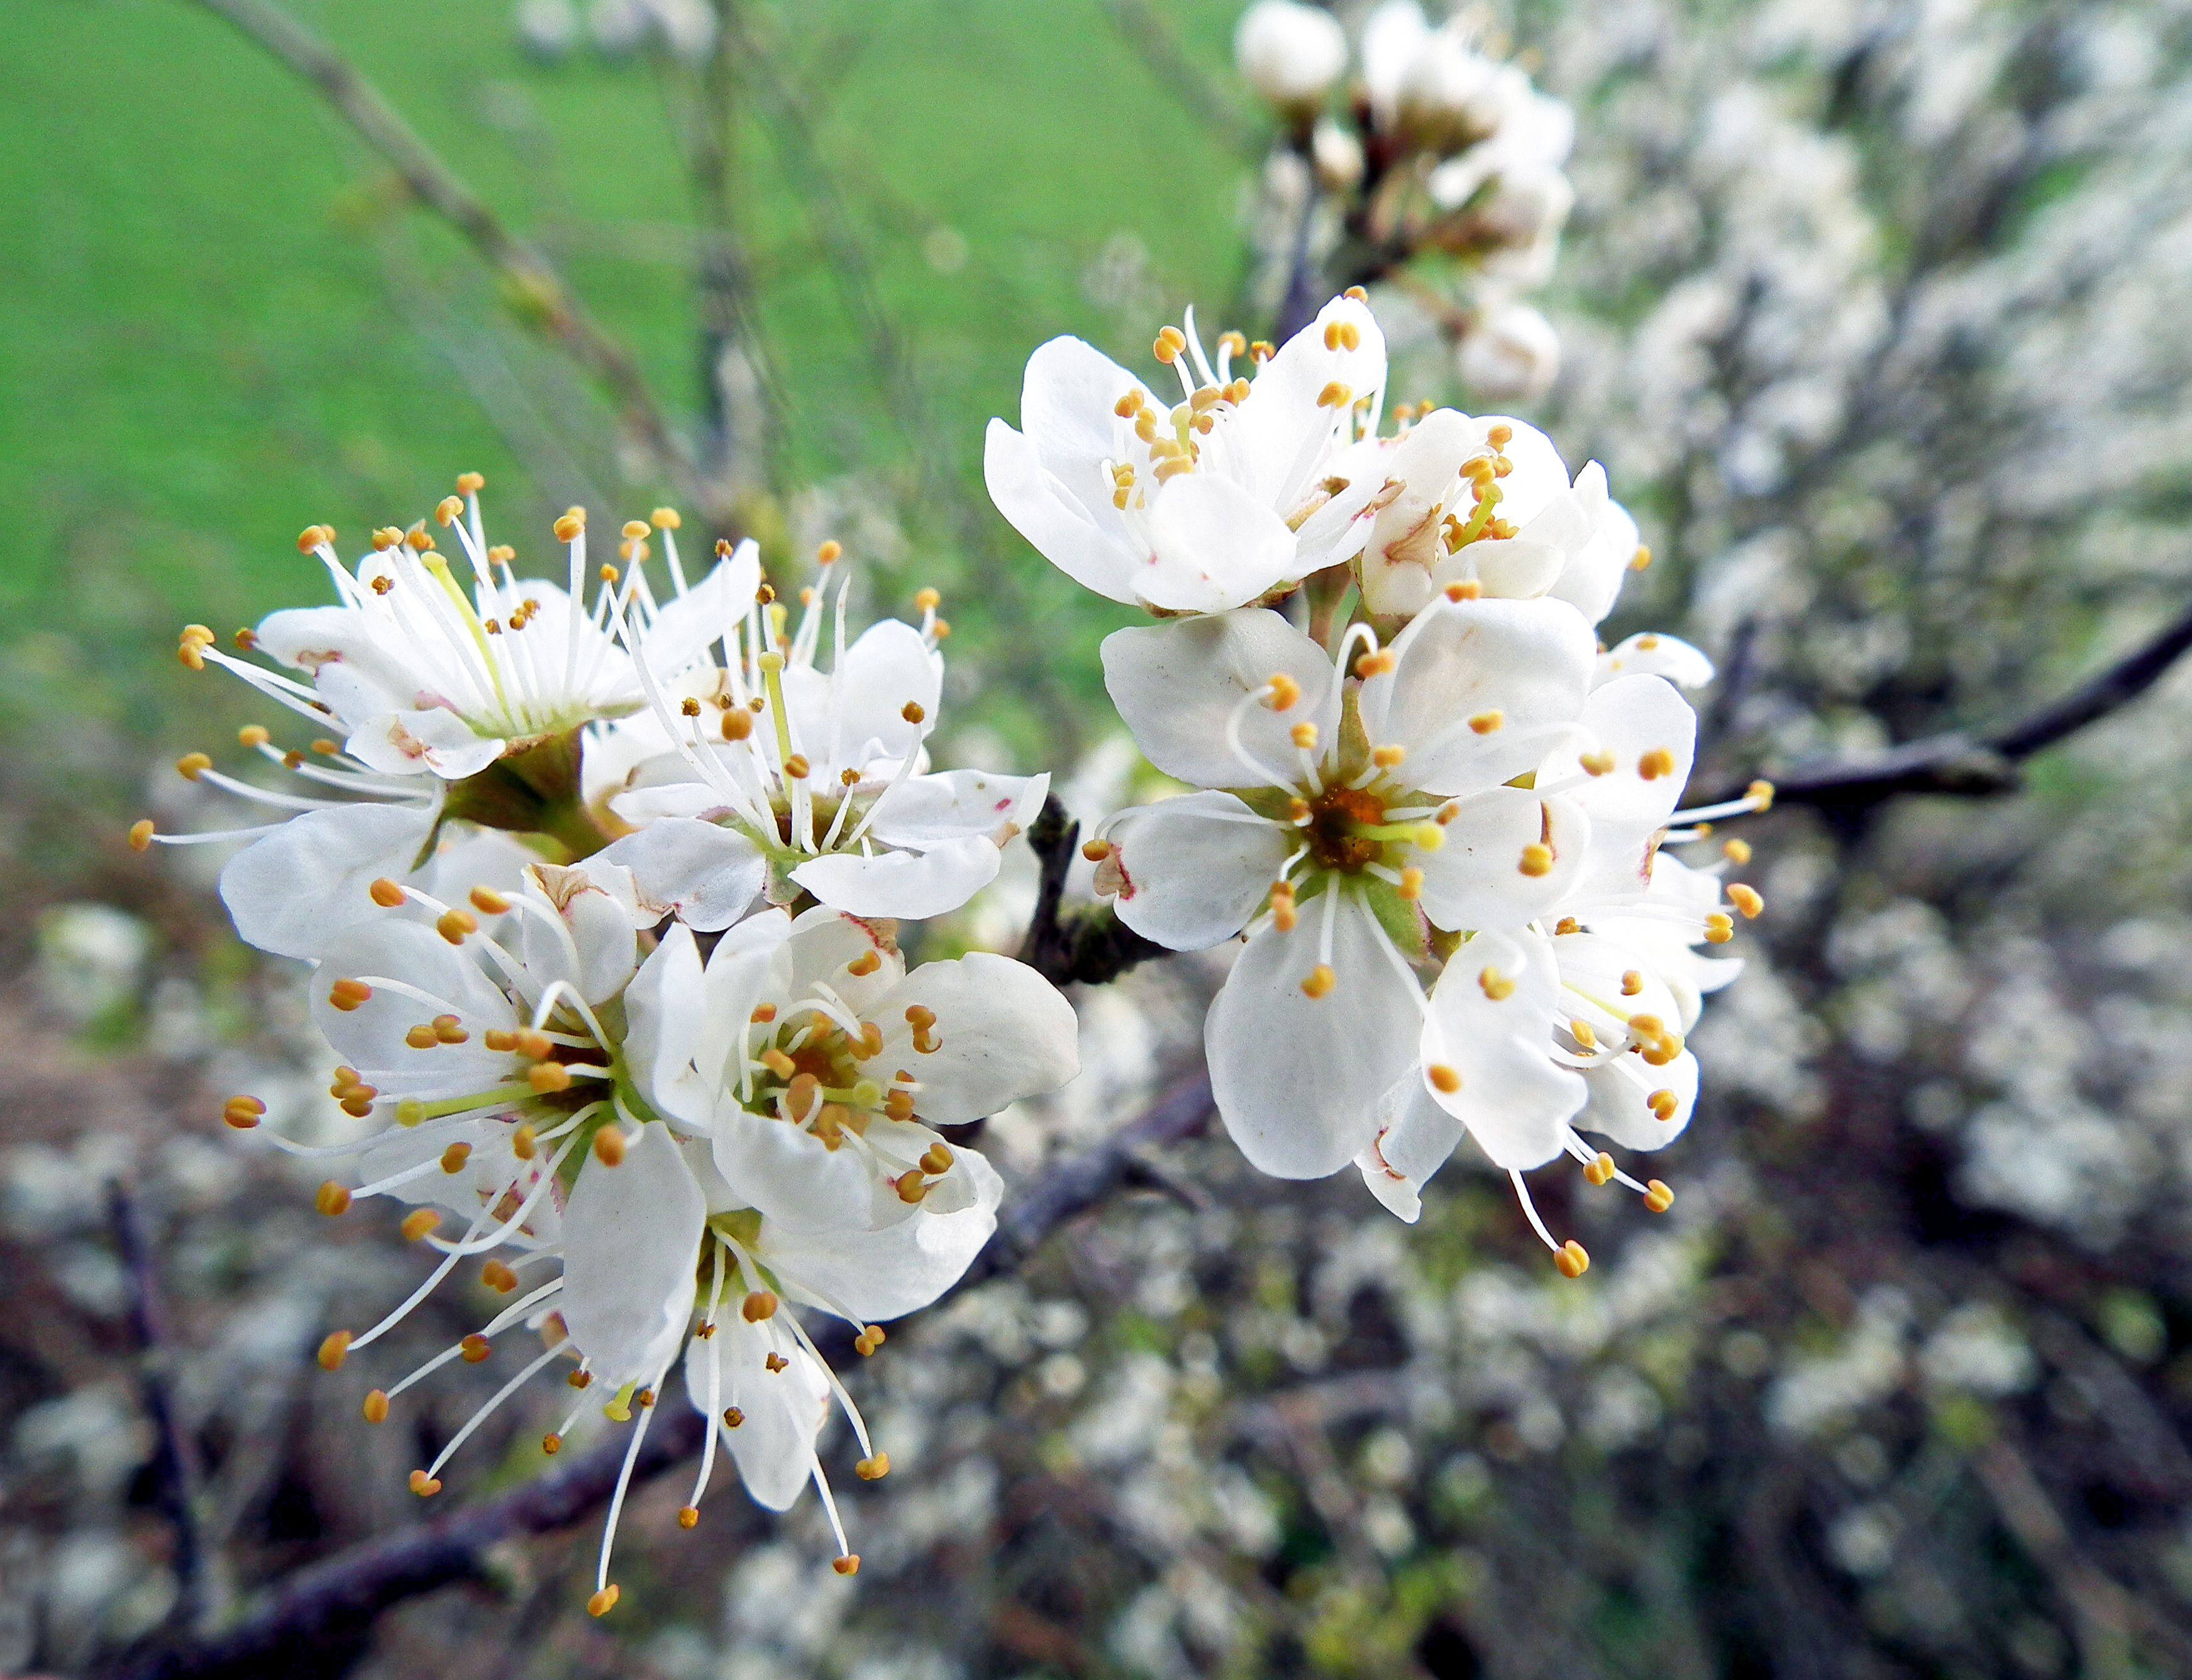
[
  {"x": 789, "y": 1174},
  {"x": 825, "y": 944},
  {"x": 1647, "y": 653},
  {"x": 592, "y": 944},
  {"x": 632, "y": 1239},
  {"x": 889, "y": 668},
  {"x": 326, "y": 640},
  {"x": 922, "y": 811},
  {"x": 1405, "y": 541},
  {"x": 371, "y": 1037},
  {"x": 1282, "y": 435},
  {"x": 1514, "y": 1100},
  {"x": 685, "y": 624},
  {"x": 1415, "y": 1137},
  {"x": 1177, "y": 684},
  {"x": 1597, "y": 569},
  {"x": 405, "y": 743},
  {"x": 1529, "y": 662},
  {"x": 703, "y": 874},
  {"x": 1475, "y": 879},
  {"x": 1059, "y": 525},
  {"x": 1298, "y": 1079},
  {"x": 1620, "y": 1103},
  {"x": 664, "y": 1007},
  {"x": 781, "y": 1411},
  {"x": 292, "y": 890},
  {"x": 1634, "y": 718},
  {"x": 1005, "y": 1033},
  {"x": 910, "y": 885},
  {"x": 1212, "y": 546},
  {"x": 1192, "y": 870},
  {"x": 900, "y": 1268}
]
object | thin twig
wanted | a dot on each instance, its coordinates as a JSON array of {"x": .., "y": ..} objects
[
  {"x": 1150, "y": 39},
  {"x": 1977, "y": 765},
  {"x": 333, "y": 1604},
  {"x": 174, "y": 1454},
  {"x": 536, "y": 290}
]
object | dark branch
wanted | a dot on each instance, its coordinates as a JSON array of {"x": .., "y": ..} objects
[
  {"x": 332, "y": 1605},
  {"x": 1970, "y": 766},
  {"x": 174, "y": 1454},
  {"x": 1088, "y": 944}
]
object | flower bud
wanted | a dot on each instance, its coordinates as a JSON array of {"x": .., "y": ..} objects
[
  {"x": 1512, "y": 355},
  {"x": 1290, "y": 54}
]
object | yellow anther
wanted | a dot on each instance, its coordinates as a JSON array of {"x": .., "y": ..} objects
[
  {"x": 1342, "y": 335},
  {"x": 1096, "y": 850},
  {"x": 1284, "y": 692},
  {"x": 475, "y": 1348},
  {"x": 334, "y": 1349},
  {"x": 375, "y": 1409},
  {"x": 1129, "y": 405},
  {"x": 140, "y": 835},
  {"x": 849, "y": 1564},
  {"x": 1411, "y": 884},
  {"x": 524, "y": 1143},
  {"x": 1262, "y": 351},
  {"x": 1583, "y": 1033},
  {"x": 1486, "y": 722},
  {"x": 581, "y": 1378},
  {"x": 1536, "y": 859},
  {"x": 421, "y": 1037},
  {"x": 1762, "y": 793},
  {"x": 1657, "y": 762},
  {"x": 1746, "y": 899},
  {"x": 1736, "y": 851},
  {"x": 572, "y": 525},
  {"x": 191, "y": 765},
  {"x": 332, "y": 1199},
  {"x": 497, "y": 1277},
  {"x": 936, "y": 1159},
  {"x": 418, "y": 1223},
  {"x": 873, "y": 1469},
  {"x": 548, "y": 1077},
  {"x": 449, "y": 508},
  {"x": 1334, "y": 395},
  {"x": 602, "y": 1602},
  {"x": 1494, "y": 984},
  {"x": 489, "y": 902},
  {"x": 1567, "y": 924},
  {"x": 1320, "y": 982},
  {"x": 608, "y": 1146},
  {"x": 470, "y": 484},
  {"x": 424, "y": 1485},
  {"x": 454, "y": 924},
  {"x": 1283, "y": 913},
  {"x": 454, "y": 1158},
  {"x": 419, "y": 539},
  {"x": 1356, "y": 294},
  {"x": 243, "y": 1112},
  {"x": 1169, "y": 343},
  {"x": 778, "y": 1063},
  {"x": 1720, "y": 928},
  {"x": 1657, "y": 1198},
  {"x": 1465, "y": 589},
  {"x": 633, "y": 529},
  {"x": 1632, "y": 982},
  {"x": 1571, "y": 1260},
  {"x": 1385, "y": 757},
  {"x": 869, "y": 1340},
  {"x": 1663, "y": 1105},
  {"x": 758, "y": 1305},
  {"x": 1303, "y": 735},
  {"x": 738, "y": 724},
  {"x": 1445, "y": 1080},
  {"x": 552, "y": 1443},
  {"x": 1599, "y": 1169},
  {"x": 1374, "y": 665},
  {"x": 1640, "y": 558},
  {"x": 911, "y": 1184},
  {"x": 1596, "y": 763}
]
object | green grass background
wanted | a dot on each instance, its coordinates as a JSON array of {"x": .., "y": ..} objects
[{"x": 201, "y": 350}]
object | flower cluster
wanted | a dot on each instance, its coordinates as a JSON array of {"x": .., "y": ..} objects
[
  {"x": 1429, "y": 799},
  {"x": 602, "y": 895},
  {"x": 1445, "y": 159}
]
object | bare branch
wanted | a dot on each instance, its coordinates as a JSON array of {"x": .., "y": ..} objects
[
  {"x": 535, "y": 289},
  {"x": 1972, "y": 766},
  {"x": 334, "y": 1604},
  {"x": 1091, "y": 945},
  {"x": 174, "y": 1454}
]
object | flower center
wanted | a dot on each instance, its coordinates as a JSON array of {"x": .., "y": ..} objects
[{"x": 1341, "y": 829}]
